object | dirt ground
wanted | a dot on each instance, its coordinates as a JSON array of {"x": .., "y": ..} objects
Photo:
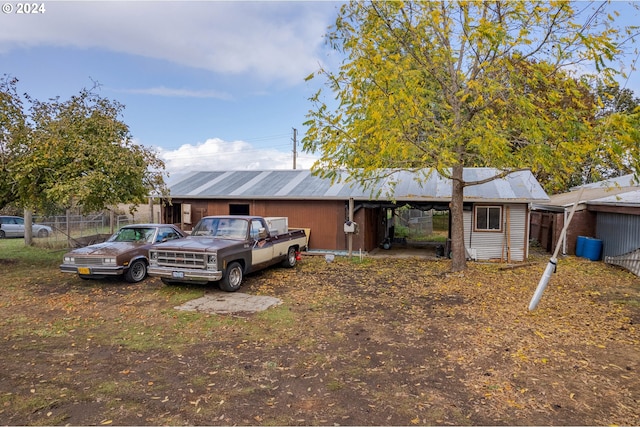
[{"x": 378, "y": 342}]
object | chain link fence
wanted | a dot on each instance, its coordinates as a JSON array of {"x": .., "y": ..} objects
[{"x": 79, "y": 230}]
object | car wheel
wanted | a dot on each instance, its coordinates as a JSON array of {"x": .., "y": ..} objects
[
  {"x": 232, "y": 278},
  {"x": 2, "y": 235},
  {"x": 43, "y": 233},
  {"x": 290, "y": 260},
  {"x": 136, "y": 272}
]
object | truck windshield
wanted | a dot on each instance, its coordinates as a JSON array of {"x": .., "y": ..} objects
[{"x": 225, "y": 228}]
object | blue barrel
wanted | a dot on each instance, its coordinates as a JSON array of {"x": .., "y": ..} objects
[
  {"x": 580, "y": 245},
  {"x": 592, "y": 249}
]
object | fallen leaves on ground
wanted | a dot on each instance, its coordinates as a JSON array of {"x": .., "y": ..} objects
[{"x": 382, "y": 341}]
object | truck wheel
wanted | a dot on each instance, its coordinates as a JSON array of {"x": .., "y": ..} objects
[
  {"x": 290, "y": 260},
  {"x": 136, "y": 272},
  {"x": 232, "y": 278}
]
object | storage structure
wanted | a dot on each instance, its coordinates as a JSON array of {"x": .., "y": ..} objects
[
  {"x": 606, "y": 225},
  {"x": 496, "y": 217}
]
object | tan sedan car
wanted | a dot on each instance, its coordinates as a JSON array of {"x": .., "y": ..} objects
[{"x": 125, "y": 253}]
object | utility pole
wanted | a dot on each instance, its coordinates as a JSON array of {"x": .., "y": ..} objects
[{"x": 295, "y": 146}]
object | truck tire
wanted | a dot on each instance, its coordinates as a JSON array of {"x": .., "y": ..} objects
[
  {"x": 137, "y": 271},
  {"x": 290, "y": 260},
  {"x": 232, "y": 278}
]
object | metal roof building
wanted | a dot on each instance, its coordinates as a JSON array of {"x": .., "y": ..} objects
[
  {"x": 302, "y": 184},
  {"x": 322, "y": 206},
  {"x": 608, "y": 210}
]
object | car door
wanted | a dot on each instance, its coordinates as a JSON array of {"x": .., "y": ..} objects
[
  {"x": 262, "y": 249},
  {"x": 13, "y": 227}
]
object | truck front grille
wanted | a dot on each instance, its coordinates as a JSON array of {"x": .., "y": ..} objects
[{"x": 181, "y": 259}]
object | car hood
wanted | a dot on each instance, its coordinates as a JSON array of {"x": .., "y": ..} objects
[
  {"x": 198, "y": 244},
  {"x": 108, "y": 248}
]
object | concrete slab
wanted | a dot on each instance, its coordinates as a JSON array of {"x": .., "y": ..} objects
[{"x": 219, "y": 302}]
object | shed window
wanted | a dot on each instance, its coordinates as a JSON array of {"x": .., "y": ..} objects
[
  {"x": 488, "y": 218},
  {"x": 238, "y": 209}
]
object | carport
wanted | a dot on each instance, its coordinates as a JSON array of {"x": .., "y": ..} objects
[{"x": 496, "y": 213}]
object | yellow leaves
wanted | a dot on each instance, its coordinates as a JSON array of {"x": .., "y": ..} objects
[{"x": 540, "y": 334}]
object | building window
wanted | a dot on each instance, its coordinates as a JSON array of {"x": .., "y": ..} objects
[
  {"x": 488, "y": 218},
  {"x": 238, "y": 209}
]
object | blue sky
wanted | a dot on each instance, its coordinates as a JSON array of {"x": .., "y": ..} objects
[{"x": 209, "y": 84}]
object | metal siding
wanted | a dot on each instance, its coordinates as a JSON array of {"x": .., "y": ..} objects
[
  {"x": 518, "y": 234},
  {"x": 193, "y": 181},
  {"x": 492, "y": 245},
  {"x": 324, "y": 218},
  {"x": 620, "y": 233},
  {"x": 232, "y": 183},
  {"x": 301, "y": 184},
  {"x": 270, "y": 184},
  {"x": 311, "y": 186}
]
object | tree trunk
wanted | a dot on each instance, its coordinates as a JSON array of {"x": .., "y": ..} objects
[
  {"x": 28, "y": 227},
  {"x": 458, "y": 253}
]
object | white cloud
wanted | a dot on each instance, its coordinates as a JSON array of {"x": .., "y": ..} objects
[
  {"x": 215, "y": 154},
  {"x": 274, "y": 41},
  {"x": 181, "y": 93}
]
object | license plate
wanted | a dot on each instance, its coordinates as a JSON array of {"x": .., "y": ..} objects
[
  {"x": 84, "y": 270},
  {"x": 177, "y": 275}
]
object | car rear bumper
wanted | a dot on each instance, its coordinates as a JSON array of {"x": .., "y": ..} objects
[{"x": 185, "y": 275}]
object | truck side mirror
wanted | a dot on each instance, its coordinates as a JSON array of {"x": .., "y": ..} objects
[{"x": 262, "y": 233}]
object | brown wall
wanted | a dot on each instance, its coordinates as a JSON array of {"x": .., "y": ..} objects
[
  {"x": 325, "y": 219},
  {"x": 583, "y": 223},
  {"x": 546, "y": 228}
]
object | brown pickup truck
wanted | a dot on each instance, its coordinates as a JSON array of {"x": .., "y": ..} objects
[{"x": 225, "y": 248}]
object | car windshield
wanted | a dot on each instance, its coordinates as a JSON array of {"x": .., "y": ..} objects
[
  {"x": 134, "y": 234},
  {"x": 226, "y": 228}
]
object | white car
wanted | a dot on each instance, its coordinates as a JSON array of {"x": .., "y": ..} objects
[{"x": 13, "y": 226}]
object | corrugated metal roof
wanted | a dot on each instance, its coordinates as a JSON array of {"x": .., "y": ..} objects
[
  {"x": 630, "y": 198},
  {"x": 301, "y": 184},
  {"x": 607, "y": 191}
]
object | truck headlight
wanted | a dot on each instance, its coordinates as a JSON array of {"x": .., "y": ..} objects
[
  {"x": 212, "y": 262},
  {"x": 109, "y": 261},
  {"x": 69, "y": 260}
]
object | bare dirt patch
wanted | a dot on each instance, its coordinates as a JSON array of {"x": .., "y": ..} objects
[{"x": 383, "y": 342}]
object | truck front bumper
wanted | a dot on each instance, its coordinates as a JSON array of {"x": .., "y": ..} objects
[{"x": 185, "y": 275}]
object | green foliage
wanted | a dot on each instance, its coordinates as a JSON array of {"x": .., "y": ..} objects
[
  {"x": 12, "y": 131},
  {"x": 447, "y": 85},
  {"x": 76, "y": 152}
]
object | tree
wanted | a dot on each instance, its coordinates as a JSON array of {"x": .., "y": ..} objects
[
  {"x": 12, "y": 131},
  {"x": 79, "y": 152},
  {"x": 617, "y": 104},
  {"x": 448, "y": 85}
]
